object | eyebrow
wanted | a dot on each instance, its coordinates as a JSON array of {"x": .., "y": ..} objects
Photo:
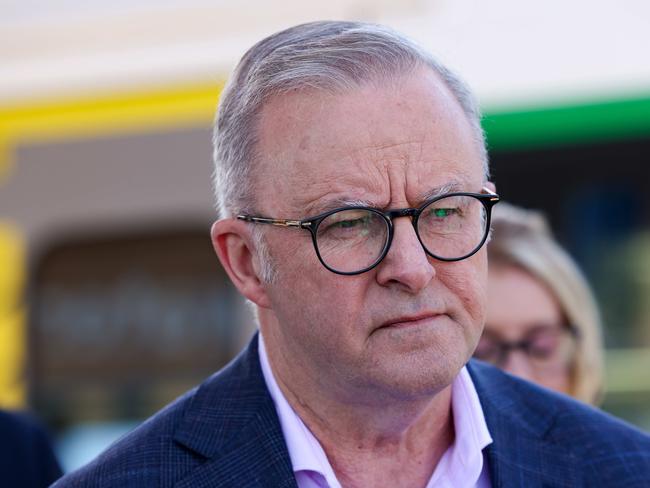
[
  {"x": 337, "y": 203},
  {"x": 450, "y": 187},
  {"x": 334, "y": 203}
]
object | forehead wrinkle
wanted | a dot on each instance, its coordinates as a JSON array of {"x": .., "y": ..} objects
[
  {"x": 398, "y": 146},
  {"x": 360, "y": 187}
]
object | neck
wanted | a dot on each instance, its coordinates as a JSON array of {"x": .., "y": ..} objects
[{"x": 367, "y": 443}]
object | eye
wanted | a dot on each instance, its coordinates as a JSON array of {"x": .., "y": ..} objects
[
  {"x": 438, "y": 215},
  {"x": 544, "y": 343},
  {"x": 452, "y": 207},
  {"x": 347, "y": 221},
  {"x": 443, "y": 212},
  {"x": 489, "y": 347},
  {"x": 346, "y": 224}
]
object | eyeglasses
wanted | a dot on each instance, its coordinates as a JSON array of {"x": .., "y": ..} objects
[
  {"x": 354, "y": 239},
  {"x": 545, "y": 346}
]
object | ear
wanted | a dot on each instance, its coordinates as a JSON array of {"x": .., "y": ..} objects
[
  {"x": 490, "y": 186},
  {"x": 233, "y": 244}
]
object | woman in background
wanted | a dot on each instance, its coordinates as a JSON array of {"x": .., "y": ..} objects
[{"x": 542, "y": 322}]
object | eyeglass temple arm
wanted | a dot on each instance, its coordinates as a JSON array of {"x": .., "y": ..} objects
[
  {"x": 278, "y": 222},
  {"x": 487, "y": 191}
]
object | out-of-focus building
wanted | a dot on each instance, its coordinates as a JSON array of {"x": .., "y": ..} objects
[{"x": 111, "y": 300}]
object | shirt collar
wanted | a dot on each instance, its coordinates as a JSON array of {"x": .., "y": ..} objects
[
  {"x": 305, "y": 451},
  {"x": 461, "y": 465}
]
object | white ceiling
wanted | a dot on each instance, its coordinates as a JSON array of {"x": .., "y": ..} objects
[{"x": 510, "y": 51}]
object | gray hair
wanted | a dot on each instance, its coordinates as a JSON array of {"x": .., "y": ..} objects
[{"x": 331, "y": 56}]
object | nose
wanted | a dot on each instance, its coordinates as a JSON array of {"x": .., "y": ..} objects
[
  {"x": 406, "y": 265},
  {"x": 518, "y": 364}
]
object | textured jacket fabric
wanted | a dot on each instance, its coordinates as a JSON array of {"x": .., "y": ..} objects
[
  {"x": 226, "y": 433},
  {"x": 26, "y": 456}
]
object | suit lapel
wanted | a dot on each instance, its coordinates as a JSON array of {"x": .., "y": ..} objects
[
  {"x": 260, "y": 460},
  {"x": 523, "y": 452},
  {"x": 232, "y": 423},
  {"x": 519, "y": 459}
]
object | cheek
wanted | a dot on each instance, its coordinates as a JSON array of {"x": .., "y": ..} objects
[
  {"x": 306, "y": 292},
  {"x": 323, "y": 322},
  {"x": 559, "y": 382},
  {"x": 468, "y": 281}
]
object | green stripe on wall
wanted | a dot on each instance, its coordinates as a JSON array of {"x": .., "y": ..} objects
[{"x": 556, "y": 126}]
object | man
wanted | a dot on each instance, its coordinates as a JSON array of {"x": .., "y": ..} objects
[{"x": 352, "y": 180}]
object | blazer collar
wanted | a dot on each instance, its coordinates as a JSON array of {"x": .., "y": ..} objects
[
  {"x": 520, "y": 419},
  {"x": 231, "y": 421}
]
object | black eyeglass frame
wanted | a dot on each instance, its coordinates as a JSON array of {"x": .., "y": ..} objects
[
  {"x": 505, "y": 348},
  {"x": 488, "y": 198}
]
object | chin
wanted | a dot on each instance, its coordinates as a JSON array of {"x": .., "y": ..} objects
[
  {"x": 418, "y": 375},
  {"x": 426, "y": 360}
]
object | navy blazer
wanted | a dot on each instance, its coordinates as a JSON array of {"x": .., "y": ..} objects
[
  {"x": 26, "y": 457},
  {"x": 226, "y": 433}
]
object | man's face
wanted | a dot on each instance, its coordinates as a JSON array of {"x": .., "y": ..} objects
[{"x": 406, "y": 327}]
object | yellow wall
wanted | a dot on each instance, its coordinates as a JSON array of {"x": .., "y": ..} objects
[
  {"x": 104, "y": 114},
  {"x": 12, "y": 317}
]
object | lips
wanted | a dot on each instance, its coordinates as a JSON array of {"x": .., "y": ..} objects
[{"x": 409, "y": 320}]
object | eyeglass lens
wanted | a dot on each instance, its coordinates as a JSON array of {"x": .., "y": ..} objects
[
  {"x": 543, "y": 346},
  {"x": 452, "y": 227},
  {"x": 354, "y": 239},
  {"x": 351, "y": 240}
]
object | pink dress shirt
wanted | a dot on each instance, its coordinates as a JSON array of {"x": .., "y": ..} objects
[{"x": 462, "y": 465}]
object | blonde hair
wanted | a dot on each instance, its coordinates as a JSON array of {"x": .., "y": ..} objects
[{"x": 522, "y": 238}]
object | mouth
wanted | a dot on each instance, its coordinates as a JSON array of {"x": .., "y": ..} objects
[{"x": 410, "y": 321}]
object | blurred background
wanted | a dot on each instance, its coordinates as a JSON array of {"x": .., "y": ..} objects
[{"x": 112, "y": 302}]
